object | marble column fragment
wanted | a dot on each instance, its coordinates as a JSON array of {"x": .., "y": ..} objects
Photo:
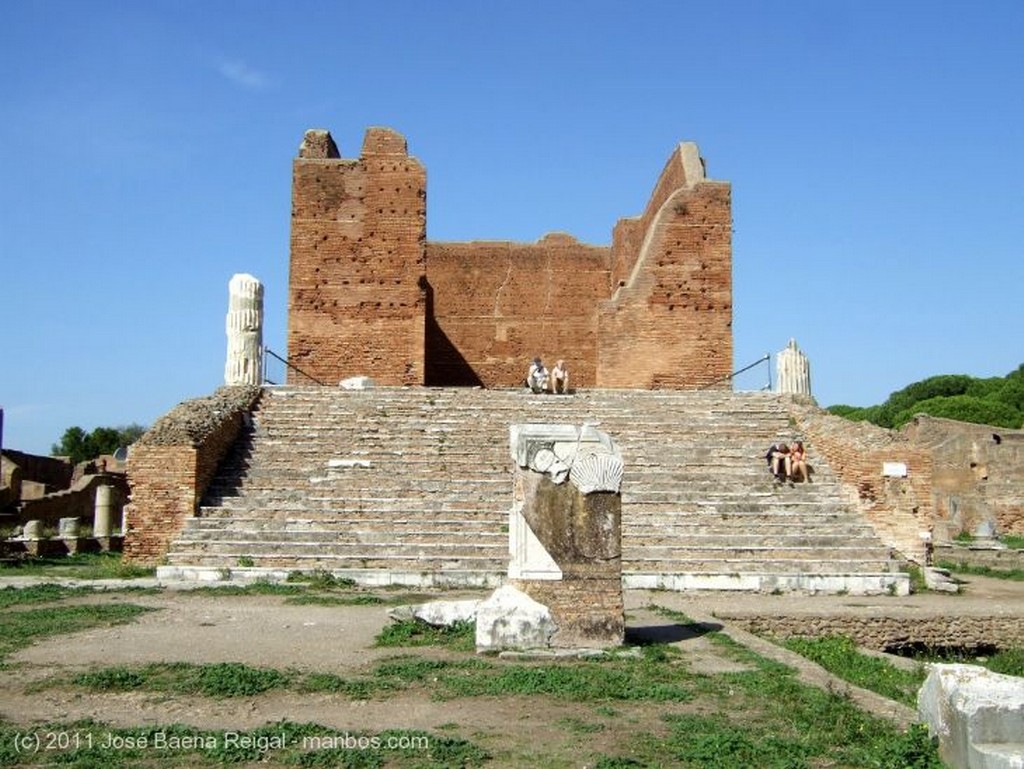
[
  {"x": 244, "y": 364},
  {"x": 793, "y": 371}
]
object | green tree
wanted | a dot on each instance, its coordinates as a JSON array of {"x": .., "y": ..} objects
[
  {"x": 856, "y": 413},
  {"x": 997, "y": 401},
  {"x": 964, "y": 408},
  {"x": 73, "y": 444},
  {"x": 941, "y": 386},
  {"x": 80, "y": 446}
]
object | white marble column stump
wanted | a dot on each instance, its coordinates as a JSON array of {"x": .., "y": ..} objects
[{"x": 244, "y": 365}]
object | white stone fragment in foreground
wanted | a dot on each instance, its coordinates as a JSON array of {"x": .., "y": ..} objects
[{"x": 977, "y": 715}]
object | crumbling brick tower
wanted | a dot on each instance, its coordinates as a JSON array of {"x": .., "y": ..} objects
[
  {"x": 357, "y": 290},
  {"x": 369, "y": 295}
]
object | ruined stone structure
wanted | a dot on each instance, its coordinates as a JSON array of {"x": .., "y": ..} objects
[
  {"x": 793, "y": 371},
  {"x": 976, "y": 481},
  {"x": 566, "y": 530},
  {"x": 897, "y": 504},
  {"x": 369, "y": 295},
  {"x": 170, "y": 467},
  {"x": 244, "y": 326}
]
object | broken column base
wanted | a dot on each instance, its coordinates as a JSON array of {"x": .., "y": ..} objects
[
  {"x": 587, "y": 610},
  {"x": 554, "y": 615}
]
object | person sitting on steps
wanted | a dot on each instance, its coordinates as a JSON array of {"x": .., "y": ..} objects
[
  {"x": 798, "y": 463},
  {"x": 560, "y": 378},
  {"x": 537, "y": 376},
  {"x": 778, "y": 461}
]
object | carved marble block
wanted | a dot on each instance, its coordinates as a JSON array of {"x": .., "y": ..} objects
[{"x": 565, "y": 533}]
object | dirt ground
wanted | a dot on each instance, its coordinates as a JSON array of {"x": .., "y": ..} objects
[{"x": 264, "y": 631}]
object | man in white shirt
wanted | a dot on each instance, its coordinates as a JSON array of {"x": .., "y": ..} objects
[{"x": 537, "y": 377}]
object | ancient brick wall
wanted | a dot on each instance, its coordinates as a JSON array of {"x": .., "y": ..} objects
[
  {"x": 899, "y": 509},
  {"x": 170, "y": 467},
  {"x": 77, "y": 502},
  {"x": 357, "y": 294},
  {"x": 54, "y": 473},
  {"x": 978, "y": 475},
  {"x": 669, "y": 324},
  {"x": 497, "y": 305},
  {"x": 978, "y": 556},
  {"x": 893, "y": 633},
  {"x": 369, "y": 296}
]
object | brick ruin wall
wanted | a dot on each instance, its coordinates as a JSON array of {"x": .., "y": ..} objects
[
  {"x": 669, "y": 324},
  {"x": 368, "y": 295},
  {"x": 170, "y": 467},
  {"x": 977, "y": 474},
  {"x": 357, "y": 293},
  {"x": 487, "y": 316},
  {"x": 899, "y": 509},
  {"x": 892, "y": 632}
]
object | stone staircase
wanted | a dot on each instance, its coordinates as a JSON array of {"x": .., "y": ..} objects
[{"x": 412, "y": 486}]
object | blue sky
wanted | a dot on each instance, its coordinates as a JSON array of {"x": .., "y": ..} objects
[{"x": 875, "y": 151}]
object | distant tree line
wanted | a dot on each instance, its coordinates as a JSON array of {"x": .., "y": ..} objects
[
  {"x": 80, "y": 446},
  {"x": 997, "y": 401}
]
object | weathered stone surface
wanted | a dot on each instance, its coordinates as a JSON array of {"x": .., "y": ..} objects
[
  {"x": 192, "y": 422},
  {"x": 438, "y": 613},
  {"x": 977, "y": 715},
  {"x": 939, "y": 579},
  {"x": 318, "y": 143},
  {"x": 356, "y": 383},
  {"x": 793, "y": 371},
  {"x": 103, "y": 514},
  {"x": 510, "y": 619},
  {"x": 565, "y": 538}
]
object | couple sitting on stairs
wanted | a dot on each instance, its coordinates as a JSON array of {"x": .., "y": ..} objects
[{"x": 788, "y": 463}]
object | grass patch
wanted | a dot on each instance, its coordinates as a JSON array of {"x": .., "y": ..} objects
[
  {"x": 579, "y": 726},
  {"x": 220, "y": 680},
  {"x": 1013, "y": 541},
  {"x": 360, "y": 599},
  {"x": 458, "y": 637},
  {"x": 839, "y": 656},
  {"x": 770, "y": 720},
  {"x": 1007, "y": 661},
  {"x": 1016, "y": 575},
  {"x": 258, "y": 587},
  {"x": 320, "y": 579},
  {"x": 48, "y": 593},
  {"x": 592, "y": 681},
  {"x": 79, "y": 566},
  {"x": 19, "y": 629},
  {"x": 917, "y": 580}
]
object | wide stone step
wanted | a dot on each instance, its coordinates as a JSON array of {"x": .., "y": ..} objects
[
  {"x": 410, "y": 483},
  {"x": 310, "y": 561},
  {"x": 390, "y": 549},
  {"x": 395, "y": 534},
  {"x": 743, "y": 565}
]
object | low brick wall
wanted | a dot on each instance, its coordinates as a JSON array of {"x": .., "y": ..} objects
[
  {"x": 899, "y": 509},
  {"x": 892, "y": 633},
  {"x": 170, "y": 467},
  {"x": 980, "y": 557}
]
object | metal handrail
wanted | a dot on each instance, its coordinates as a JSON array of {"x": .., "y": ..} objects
[
  {"x": 758, "y": 362},
  {"x": 267, "y": 351}
]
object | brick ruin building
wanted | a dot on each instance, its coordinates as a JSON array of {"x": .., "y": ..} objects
[{"x": 370, "y": 295}]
